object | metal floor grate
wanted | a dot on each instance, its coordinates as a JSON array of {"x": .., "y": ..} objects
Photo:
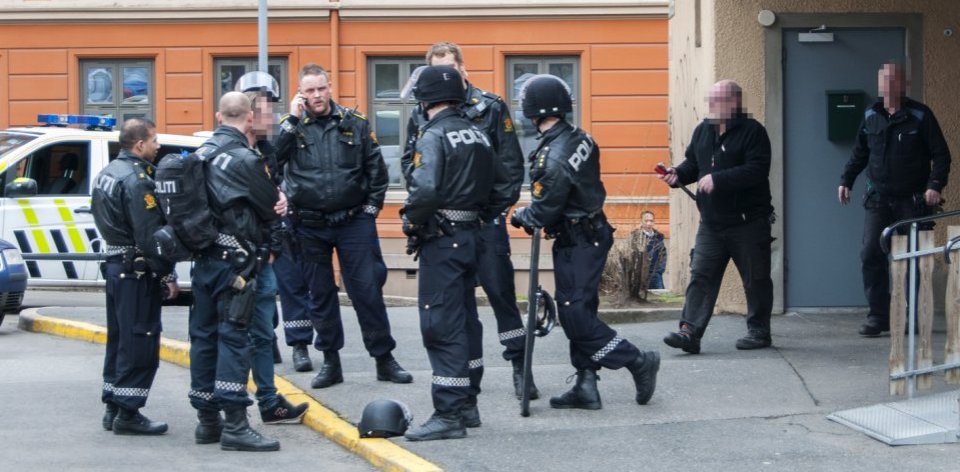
[{"x": 932, "y": 419}]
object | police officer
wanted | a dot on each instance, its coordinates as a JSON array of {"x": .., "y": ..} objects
[
  {"x": 495, "y": 272},
  {"x": 261, "y": 89},
  {"x": 225, "y": 280},
  {"x": 567, "y": 201},
  {"x": 454, "y": 183},
  {"x": 336, "y": 180},
  {"x": 126, "y": 214},
  {"x": 901, "y": 146},
  {"x": 264, "y": 90}
]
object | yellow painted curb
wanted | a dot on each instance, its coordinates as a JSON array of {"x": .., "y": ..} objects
[{"x": 382, "y": 453}]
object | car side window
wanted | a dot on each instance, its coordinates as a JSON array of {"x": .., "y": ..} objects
[
  {"x": 59, "y": 169},
  {"x": 114, "y": 150}
]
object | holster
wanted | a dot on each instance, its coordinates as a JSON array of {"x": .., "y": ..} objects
[{"x": 237, "y": 305}]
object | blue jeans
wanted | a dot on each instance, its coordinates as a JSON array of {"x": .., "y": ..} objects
[{"x": 261, "y": 337}]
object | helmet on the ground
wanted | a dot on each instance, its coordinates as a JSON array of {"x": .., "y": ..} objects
[
  {"x": 439, "y": 84},
  {"x": 545, "y": 95},
  {"x": 384, "y": 419},
  {"x": 548, "y": 319},
  {"x": 258, "y": 81}
]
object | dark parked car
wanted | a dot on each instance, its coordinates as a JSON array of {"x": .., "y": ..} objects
[{"x": 13, "y": 279}]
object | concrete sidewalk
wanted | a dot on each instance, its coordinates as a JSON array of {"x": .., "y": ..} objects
[{"x": 721, "y": 410}]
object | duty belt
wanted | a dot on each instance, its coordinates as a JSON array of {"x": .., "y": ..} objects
[
  {"x": 459, "y": 216},
  {"x": 118, "y": 250}
]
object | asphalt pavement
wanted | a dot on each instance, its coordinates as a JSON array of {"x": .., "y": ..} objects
[
  {"x": 721, "y": 410},
  {"x": 51, "y": 389}
]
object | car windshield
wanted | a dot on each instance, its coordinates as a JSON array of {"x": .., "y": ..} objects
[{"x": 11, "y": 141}]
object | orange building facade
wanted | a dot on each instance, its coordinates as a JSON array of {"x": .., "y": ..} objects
[{"x": 172, "y": 61}]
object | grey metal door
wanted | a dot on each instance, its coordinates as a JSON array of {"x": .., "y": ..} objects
[{"x": 821, "y": 238}]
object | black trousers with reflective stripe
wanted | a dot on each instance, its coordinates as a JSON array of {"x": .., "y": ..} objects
[
  {"x": 133, "y": 336},
  {"x": 576, "y": 270},
  {"x": 219, "y": 350},
  {"x": 449, "y": 323},
  {"x": 295, "y": 301},
  {"x": 495, "y": 272}
]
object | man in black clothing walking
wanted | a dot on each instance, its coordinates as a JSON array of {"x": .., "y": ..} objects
[
  {"x": 729, "y": 158},
  {"x": 907, "y": 161}
]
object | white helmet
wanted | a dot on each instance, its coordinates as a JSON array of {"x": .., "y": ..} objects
[{"x": 258, "y": 81}]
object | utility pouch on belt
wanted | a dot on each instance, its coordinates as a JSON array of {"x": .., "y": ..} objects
[{"x": 239, "y": 304}]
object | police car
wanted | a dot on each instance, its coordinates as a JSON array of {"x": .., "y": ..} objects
[{"x": 45, "y": 179}]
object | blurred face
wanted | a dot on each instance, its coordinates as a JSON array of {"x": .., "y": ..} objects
[
  {"x": 262, "y": 117},
  {"x": 890, "y": 81},
  {"x": 315, "y": 90},
  {"x": 647, "y": 221},
  {"x": 723, "y": 101},
  {"x": 449, "y": 60},
  {"x": 148, "y": 148}
]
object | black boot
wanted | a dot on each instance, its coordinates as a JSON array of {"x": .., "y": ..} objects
[
  {"x": 283, "y": 412},
  {"x": 330, "y": 373},
  {"x": 684, "y": 339},
  {"x": 755, "y": 339},
  {"x": 644, "y": 371},
  {"x": 439, "y": 427},
  {"x": 301, "y": 358},
  {"x": 277, "y": 358},
  {"x": 471, "y": 414},
  {"x": 389, "y": 369},
  {"x": 583, "y": 395},
  {"x": 518, "y": 380},
  {"x": 131, "y": 422},
  {"x": 209, "y": 427},
  {"x": 239, "y": 436},
  {"x": 109, "y": 415}
]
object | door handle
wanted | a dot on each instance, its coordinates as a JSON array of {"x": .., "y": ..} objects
[{"x": 83, "y": 209}]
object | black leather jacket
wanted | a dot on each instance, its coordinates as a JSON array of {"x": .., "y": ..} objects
[
  {"x": 492, "y": 115},
  {"x": 332, "y": 163},
  {"x": 239, "y": 187},
  {"x": 904, "y": 154},
  {"x": 125, "y": 208},
  {"x": 565, "y": 178},
  {"x": 454, "y": 168}
]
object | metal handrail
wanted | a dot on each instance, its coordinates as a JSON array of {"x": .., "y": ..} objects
[
  {"x": 949, "y": 247},
  {"x": 888, "y": 231}
]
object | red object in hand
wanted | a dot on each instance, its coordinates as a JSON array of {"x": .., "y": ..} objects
[{"x": 661, "y": 169}]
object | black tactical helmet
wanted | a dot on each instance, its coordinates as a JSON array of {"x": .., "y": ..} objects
[
  {"x": 384, "y": 419},
  {"x": 439, "y": 84},
  {"x": 545, "y": 95},
  {"x": 258, "y": 81}
]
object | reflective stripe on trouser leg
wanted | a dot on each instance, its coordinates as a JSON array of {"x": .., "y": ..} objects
[
  {"x": 136, "y": 303},
  {"x": 474, "y": 338},
  {"x": 445, "y": 264},
  {"x": 577, "y": 272},
  {"x": 496, "y": 275},
  {"x": 210, "y": 277},
  {"x": 295, "y": 302},
  {"x": 364, "y": 274},
  {"x": 233, "y": 366}
]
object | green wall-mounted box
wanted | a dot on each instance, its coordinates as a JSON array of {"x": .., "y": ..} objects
[{"x": 844, "y": 113}]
